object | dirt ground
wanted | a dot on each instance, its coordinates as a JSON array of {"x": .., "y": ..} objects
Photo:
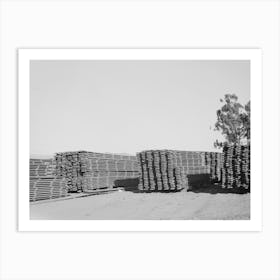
[{"x": 125, "y": 205}]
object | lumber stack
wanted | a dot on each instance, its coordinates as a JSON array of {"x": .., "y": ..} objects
[
  {"x": 160, "y": 171},
  {"x": 89, "y": 171},
  {"x": 43, "y": 181},
  {"x": 193, "y": 162},
  {"x": 69, "y": 165},
  {"x": 214, "y": 162},
  {"x": 41, "y": 167},
  {"x": 47, "y": 188},
  {"x": 235, "y": 172},
  {"x": 108, "y": 165}
]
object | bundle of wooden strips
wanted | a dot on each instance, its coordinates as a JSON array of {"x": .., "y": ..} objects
[
  {"x": 41, "y": 167},
  {"x": 193, "y": 162},
  {"x": 69, "y": 166},
  {"x": 235, "y": 172},
  {"x": 214, "y": 162},
  {"x": 160, "y": 171},
  {"x": 116, "y": 165},
  {"x": 44, "y": 182},
  {"x": 87, "y": 171},
  {"x": 47, "y": 188}
]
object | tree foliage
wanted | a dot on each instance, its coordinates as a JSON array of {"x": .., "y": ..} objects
[{"x": 233, "y": 121}]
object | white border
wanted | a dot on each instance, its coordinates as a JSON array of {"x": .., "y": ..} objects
[{"x": 254, "y": 55}]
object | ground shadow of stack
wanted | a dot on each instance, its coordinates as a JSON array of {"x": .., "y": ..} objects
[
  {"x": 198, "y": 183},
  {"x": 201, "y": 183},
  {"x": 131, "y": 185},
  {"x": 128, "y": 184}
]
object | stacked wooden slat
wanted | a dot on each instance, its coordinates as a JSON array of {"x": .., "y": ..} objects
[
  {"x": 160, "y": 171},
  {"x": 107, "y": 156},
  {"x": 41, "y": 167},
  {"x": 116, "y": 165},
  {"x": 88, "y": 171},
  {"x": 47, "y": 188},
  {"x": 246, "y": 166},
  {"x": 102, "y": 171},
  {"x": 43, "y": 182},
  {"x": 193, "y": 162},
  {"x": 214, "y": 162},
  {"x": 68, "y": 165},
  {"x": 236, "y": 166}
]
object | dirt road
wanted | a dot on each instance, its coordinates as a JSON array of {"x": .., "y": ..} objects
[{"x": 125, "y": 205}]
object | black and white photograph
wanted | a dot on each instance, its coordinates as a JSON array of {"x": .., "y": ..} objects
[{"x": 140, "y": 139}]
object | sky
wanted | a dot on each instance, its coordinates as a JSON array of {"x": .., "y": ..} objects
[{"x": 130, "y": 106}]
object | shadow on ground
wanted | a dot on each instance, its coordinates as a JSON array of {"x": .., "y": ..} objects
[
  {"x": 131, "y": 185},
  {"x": 198, "y": 183},
  {"x": 128, "y": 184},
  {"x": 201, "y": 183}
]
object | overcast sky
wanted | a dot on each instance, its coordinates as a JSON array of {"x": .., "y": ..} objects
[{"x": 129, "y": 106}]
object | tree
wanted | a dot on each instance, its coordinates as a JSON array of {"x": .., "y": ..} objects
[
  {"x": 246, "y": 120},
  {"x": 233, "y": 120}
]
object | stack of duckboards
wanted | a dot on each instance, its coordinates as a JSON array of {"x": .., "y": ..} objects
[
  {"x": 193, "y": 162},
  {"x": 214, "y": 161},
  {"x": 43, "y": 182},
  {"x": 160, "y": 171},
  {"x": 68, "y": 165},
  {"x": 90, "y": 171},
  {"x": 236, "y": 166}
]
